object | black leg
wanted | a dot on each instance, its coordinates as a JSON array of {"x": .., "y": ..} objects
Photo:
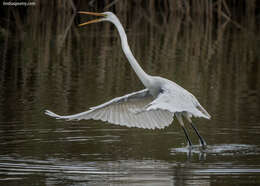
[
  {"x": 187, "y": 137},
  {"x": 202, "y": 141}
]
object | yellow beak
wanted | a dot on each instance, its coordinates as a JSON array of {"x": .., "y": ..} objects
[{"x": 92, "y": 21}]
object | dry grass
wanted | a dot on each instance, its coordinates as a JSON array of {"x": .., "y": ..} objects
[{"x": 209, "y": 46}]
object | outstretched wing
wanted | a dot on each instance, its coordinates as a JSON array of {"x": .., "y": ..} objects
[
  {"x": 129, "y": 110},
  {"x": 176, "y": 99}
]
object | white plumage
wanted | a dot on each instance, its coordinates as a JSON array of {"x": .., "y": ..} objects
[
  {"x": 141, "y": 109},
  {"x": 128, "y": 110},
  {"x": 153, "y": 107}
]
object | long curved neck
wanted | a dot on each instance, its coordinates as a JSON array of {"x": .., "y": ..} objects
[{"x": 144, "y": 77}]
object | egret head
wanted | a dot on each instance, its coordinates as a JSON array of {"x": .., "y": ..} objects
[{"x": 105, "y": 16}]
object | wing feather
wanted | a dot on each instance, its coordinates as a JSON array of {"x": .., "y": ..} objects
[
  {"x": 157, "y": 120},
  {"x": 140, "y": 109},
  {"x": 129, "y": 110}
]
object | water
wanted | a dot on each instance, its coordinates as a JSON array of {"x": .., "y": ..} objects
[{"x": 60, "y": 67}]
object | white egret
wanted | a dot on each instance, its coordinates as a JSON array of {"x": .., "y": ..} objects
[{"x": 150, "y": 108}]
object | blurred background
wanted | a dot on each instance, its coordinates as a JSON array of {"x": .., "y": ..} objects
[{"x": 211, "y": 48}]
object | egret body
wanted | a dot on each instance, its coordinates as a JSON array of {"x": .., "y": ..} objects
[{"x": 150, "y": 108}]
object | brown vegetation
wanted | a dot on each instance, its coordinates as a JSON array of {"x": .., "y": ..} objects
[{"x": 211, "y": 47}]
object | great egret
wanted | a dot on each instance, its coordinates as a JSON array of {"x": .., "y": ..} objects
[{"x": 150, "y": 108}]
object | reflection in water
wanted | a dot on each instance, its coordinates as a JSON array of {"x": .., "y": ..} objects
[
  {"x": 48, "y": 64},
  {"x": 220, "y": 150},
  {"x": 141, "y": 172},
  {"x": 145, "y": 172}
]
